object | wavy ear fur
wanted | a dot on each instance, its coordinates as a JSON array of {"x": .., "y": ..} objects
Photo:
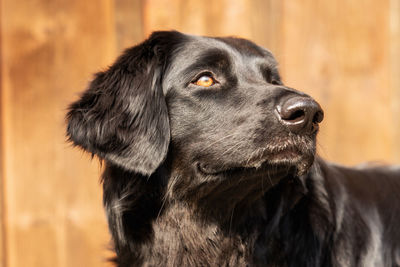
[{"x": 122, "y": 117}]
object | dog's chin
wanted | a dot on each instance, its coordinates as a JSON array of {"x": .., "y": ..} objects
[
  {"x": 273, "y": 170},
  {"x": 299, "y": 163}
]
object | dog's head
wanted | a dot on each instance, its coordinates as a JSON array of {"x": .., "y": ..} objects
[{"x": 213, "y": 105}]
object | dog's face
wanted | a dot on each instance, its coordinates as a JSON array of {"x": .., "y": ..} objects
[
  {"x": 225, "y": 100},
  {"x": 213, "y": 105}
]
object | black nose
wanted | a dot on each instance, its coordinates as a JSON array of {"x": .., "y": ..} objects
[{"x": 300, "y": 114}]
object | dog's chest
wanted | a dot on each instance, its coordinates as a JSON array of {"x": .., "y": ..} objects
[{"x": 180, "y": 240}]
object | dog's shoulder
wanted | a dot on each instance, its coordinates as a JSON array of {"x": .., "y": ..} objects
[{"x": 363, "y": 205}]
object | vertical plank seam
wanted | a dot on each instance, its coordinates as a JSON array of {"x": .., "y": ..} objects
[
  {"x": 394, "y": 24},
  {"x": 3, "y": 252}
]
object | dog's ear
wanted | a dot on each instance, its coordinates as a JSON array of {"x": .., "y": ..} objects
[{"x": 122, "y": 117}]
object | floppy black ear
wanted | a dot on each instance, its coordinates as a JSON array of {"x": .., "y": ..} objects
[{"x": 122, "y": 117}]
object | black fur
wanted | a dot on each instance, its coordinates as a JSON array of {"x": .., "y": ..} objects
[{"x": 213, "y": 176}]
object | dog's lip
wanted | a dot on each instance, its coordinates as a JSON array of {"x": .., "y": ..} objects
[
  {"x": 289, "y": 153},
  {"x": 206, "y": 170}
]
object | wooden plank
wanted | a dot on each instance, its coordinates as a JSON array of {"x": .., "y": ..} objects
[
  {"x": 54, "y": 211},
  {"x": 266, "y": 24},
  {"x": 256, "y": 20},
  {"x": 128, "y": 23},
  {"x": 339, "y": 52}
]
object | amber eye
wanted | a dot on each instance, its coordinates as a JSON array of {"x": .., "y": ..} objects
[{"x": 205, "y": 81}]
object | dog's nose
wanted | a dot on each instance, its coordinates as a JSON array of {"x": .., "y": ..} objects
[{"x": 300, "y": 114}]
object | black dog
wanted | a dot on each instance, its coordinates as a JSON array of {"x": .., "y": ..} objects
[{"x": 210, "y": 161}]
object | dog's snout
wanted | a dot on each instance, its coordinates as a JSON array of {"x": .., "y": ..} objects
[{"x": 300, "y": 114}]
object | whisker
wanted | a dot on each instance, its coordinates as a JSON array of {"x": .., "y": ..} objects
[
  {"x": 167, "y": 193},
  {"x": 231, "y": 148},
  {"x": 219, "y": 140},
  {"x": 230, "y": 223}
]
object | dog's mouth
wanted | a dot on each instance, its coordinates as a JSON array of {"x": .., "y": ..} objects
[{"x": 282, "y": 158}]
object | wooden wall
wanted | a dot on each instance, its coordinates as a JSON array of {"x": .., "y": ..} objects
[{"x": 344, "y": 53}]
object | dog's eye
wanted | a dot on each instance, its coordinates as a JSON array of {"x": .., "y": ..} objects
[{"x": 205, "y": 81}]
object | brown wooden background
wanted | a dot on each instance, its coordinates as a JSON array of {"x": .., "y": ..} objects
[{"x": 344, "y": 53}]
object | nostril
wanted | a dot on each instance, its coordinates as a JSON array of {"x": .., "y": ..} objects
[
  {"x": 297, "y": 115},
  {"x": 318, "y": 117},
  {"x": 292, "y": 113}
]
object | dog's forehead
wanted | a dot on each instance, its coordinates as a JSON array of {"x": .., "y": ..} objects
[
  {"x": 243, "y": 46},
  {"x": 196, "y": 47},
  {"x": 232, "y": 45}
]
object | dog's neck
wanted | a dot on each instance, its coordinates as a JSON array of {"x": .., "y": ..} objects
[
  {"x": 227, "y": 228},
  {"x": 195, "y": 242},
  {"x": 232, "y": 200}
]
